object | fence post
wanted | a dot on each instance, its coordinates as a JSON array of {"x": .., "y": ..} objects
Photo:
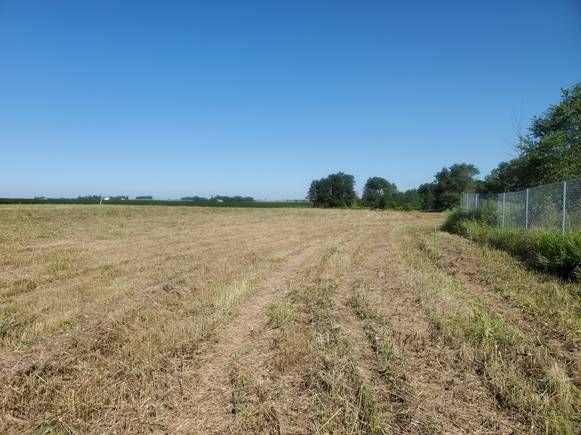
[
  {"x": 476, "y": 205},
  {"x": 503, "y": 207},
  {"x": 527, "y": 210},
  {"x": 564, "y": 210}
]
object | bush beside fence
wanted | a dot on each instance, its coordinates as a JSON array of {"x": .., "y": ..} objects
[{"x": 547, "y": 251}]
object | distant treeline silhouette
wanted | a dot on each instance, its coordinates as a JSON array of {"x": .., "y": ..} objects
[
  {"x": 160, "y": 202},
  {"x": 219, "y": 198}
]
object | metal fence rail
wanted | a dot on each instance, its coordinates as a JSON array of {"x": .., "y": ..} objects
[{"x": 555, "y": 206}]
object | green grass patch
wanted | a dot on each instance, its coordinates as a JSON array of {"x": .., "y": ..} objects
[
  {"x": 516, "y": 367},
  {"x": 64, "y": 327},
  {"x": 280, "y": 314},
  {"x": 547, "y": 251}
]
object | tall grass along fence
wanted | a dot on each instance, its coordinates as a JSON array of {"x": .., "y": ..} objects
[{"x": 555, "y": 206}]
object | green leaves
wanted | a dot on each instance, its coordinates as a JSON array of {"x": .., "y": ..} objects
[
  {"x": 550, "y": 152},
  {"x": 336, "y": 190},
  {"x": 546, "y": 251},
  {"x": 444, "y": 193}
]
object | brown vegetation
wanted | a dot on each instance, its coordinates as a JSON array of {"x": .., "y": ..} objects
[{"x": 134, "y": 319}]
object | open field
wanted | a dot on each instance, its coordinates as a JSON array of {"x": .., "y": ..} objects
[{"x": 199, "y": 320}]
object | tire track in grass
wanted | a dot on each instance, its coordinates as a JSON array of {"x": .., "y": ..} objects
[
  {"x": 366, "y": 350},
  {"x": 119, "y": 370},
  {"x": 107, "y": 334},
  {"x": 210, "y": 410},
  {"x": 438, "y": 392},
  {"x": 303, "y": 373},
  {"x": 336, "y": 374}
]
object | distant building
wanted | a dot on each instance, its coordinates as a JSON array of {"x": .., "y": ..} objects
[{"x": 144, "y": 197}]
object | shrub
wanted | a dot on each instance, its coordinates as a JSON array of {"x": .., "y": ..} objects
[{"x": 457, "y": 218}]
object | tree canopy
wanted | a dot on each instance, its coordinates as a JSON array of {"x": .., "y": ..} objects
[
  {"x": 444, "y": 192},
  {"x": 551, "y": 151},
  {"x": 451, "y": 182},
  {"x": 379, "y": 193},
  {"x": 336, "y": 190}
]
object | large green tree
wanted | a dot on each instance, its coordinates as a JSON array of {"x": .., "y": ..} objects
[
  {"x": 553, "y": 147},
  {"x": 336, "y": 190},
  {"x": 444, "y": 192},
  {"x": 379, "y": 193},
  {"x": 550, "y": 152},
  {"x": 451, "y": 182},
  {"x": 507, "y": 176}
]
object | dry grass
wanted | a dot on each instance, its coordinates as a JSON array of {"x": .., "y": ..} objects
[
  {"x": 310, "y": 380},
  {"x": 533, "y": 378},
  {"x": 174, "y": 319},
  {"x": 122, "y": 298}
]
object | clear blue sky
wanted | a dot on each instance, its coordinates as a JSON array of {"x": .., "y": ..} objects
[{"x": 176, "y": 98}]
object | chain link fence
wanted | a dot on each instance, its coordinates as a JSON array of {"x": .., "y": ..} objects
[{"x": 555, "y": 206}]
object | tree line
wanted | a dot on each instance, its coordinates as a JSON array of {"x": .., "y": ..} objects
[
  {"x": 549, "y": 152},
  {"x": 338, "y": 190},
  {"x": 219, "y": 198}
]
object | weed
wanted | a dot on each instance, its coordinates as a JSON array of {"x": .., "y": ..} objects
[
  {"x": 64, "y": 327},
  {"x": 280, "y": 314}
]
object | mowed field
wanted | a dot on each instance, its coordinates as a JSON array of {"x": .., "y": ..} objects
[{"x": 195, "y": 320}]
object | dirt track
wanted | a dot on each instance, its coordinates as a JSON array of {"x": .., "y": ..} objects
[{"x": 292, "y": 321}]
